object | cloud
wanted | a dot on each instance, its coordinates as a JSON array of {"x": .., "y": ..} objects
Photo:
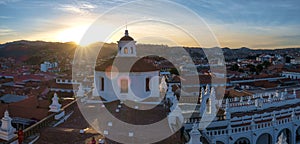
[
  {"x": 6, "y": 32},
  {"x": 235, "y": 23},
  {"x": 81, "y": 8},
  {"x": 4, "y": 2},
  {"x": 290, "y": 37},
  {"x": 5, "y": 17}
]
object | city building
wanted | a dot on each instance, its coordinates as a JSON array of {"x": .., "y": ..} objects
[
  {"x": 127, "y": 76},
  {"x": 48, "y": 66},
  {"x": 253, "y": 115}
]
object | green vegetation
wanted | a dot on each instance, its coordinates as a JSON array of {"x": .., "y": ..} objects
[{"x": 234, "y": 67}]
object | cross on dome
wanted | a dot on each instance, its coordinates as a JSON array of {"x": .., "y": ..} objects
[{"x": 126, "y": 37}]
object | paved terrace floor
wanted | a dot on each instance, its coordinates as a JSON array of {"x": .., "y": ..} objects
[{"x": 68, "y": 132}]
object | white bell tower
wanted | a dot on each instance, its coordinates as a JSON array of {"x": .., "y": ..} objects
[{"x": 126, "y": 46}]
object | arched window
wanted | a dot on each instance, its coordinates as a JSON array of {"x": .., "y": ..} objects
[
  {"x": 102, "y": 83},
  {"x": 264, "y": 139},
  {"x": 208, "y": 106},
  {"x": 125, "y": 50},
  {"x": 147, "y": 88},
  {"x": 124, "y": 86},
  {"x": 242, "y": 140},
  {"x": 131, "y": 50}
]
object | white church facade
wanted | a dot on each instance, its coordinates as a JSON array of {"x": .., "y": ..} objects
[{"x": 126, "y": 76}]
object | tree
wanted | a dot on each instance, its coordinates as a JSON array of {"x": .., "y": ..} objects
[
  {"x": 266, "y": 64},
  {"x": 241, "y": 70},
  {"x": 259, "y": 68},
  {"x": 251, "y": 67},
  {"x": 234, "y": 67}
]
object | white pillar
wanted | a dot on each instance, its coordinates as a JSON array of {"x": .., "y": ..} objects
[
  {"x": 170, "y": 93},
  {"x": 55, "y": 106},
  {"x": 163, "y": 85},
  {"x": 285, "y": 91},
  {"x": 95, "y": 91},
  {"x": 207, "y": 90},
  {"x": 195, "y": 135},
  {"x": 6, "y": 130},
  {"x": 80, "y": 92},
  {"x": 249, "y": 100}
]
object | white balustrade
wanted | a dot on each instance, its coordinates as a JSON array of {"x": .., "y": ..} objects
[{"x": 283, "y": 116}]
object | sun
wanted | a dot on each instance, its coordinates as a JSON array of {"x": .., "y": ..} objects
[{"x": 73, "y": 34}]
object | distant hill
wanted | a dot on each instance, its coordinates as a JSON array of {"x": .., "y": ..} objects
[
  {"x": 35, "y": 52},
  {"x": 38, "y": 51},
  {"x": 22, "y": 50}
]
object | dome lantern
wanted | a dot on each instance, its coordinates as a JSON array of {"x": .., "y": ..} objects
[{"x": 127, "y": 47}]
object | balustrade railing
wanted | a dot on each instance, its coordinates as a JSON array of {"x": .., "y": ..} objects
[
  {"x": 242, "y": 129},
  {"x": 45, "y": 122}
]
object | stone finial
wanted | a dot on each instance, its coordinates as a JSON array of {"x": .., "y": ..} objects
[
  {"x": 213, "y": 93},
  {"x": 170, "y": 89},
  {"x": 282, "y": 96},
  {"x": 227, "y": 113},
  {"x": 249, "y": 100},
  {"x": 55, "y": 106},
  {"x": 202, "y": 92},
  {"x": 170, "y": 93},
  {"x": 95, "y": 92},
  {"x": 6, "y": 114},
  {"x": 270, "y": 98},
  {"x": 293, "y": 114},
  {"x": 213, "y": 100},
  {"x": 6, "y": 130},
  {"x": 227, "y": 102},
  {"x": 195, "y": 129},
  {"x": 277, "y": 93},
  {"x": 80, "y": 91},
  {"x": 207, "y": 89},
  {"x": 195, "y": 135},
  {"x": 282, "y": 139},
  {"x": 285, "y": 91},
  {"x": 174, "y": 104},
  {"x": 163, "y": 85},
  {"x": 252, "y": 120},
  {"x": 274, "y": 119}
]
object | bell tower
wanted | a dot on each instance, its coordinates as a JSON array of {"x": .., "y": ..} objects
[{"x": 126, "y": 46}]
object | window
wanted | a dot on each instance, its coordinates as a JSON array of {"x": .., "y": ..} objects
[
  {"x": 147, "y": 88},
  {"x": 208, "y": 106},
  {"x": 125, "y": 50},
  {"x": 124, "y": 86},
  {"x": 102, "y": 83},
  {"x": 131, "y": 50}
]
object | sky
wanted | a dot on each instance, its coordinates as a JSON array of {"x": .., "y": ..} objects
[{"x": 234, "y": 23}]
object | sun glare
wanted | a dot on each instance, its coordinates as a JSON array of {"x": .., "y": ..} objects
[{"x": 73, "y": 34}]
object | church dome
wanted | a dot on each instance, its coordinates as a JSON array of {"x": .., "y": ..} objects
[{"x": 126, "y": 37}]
